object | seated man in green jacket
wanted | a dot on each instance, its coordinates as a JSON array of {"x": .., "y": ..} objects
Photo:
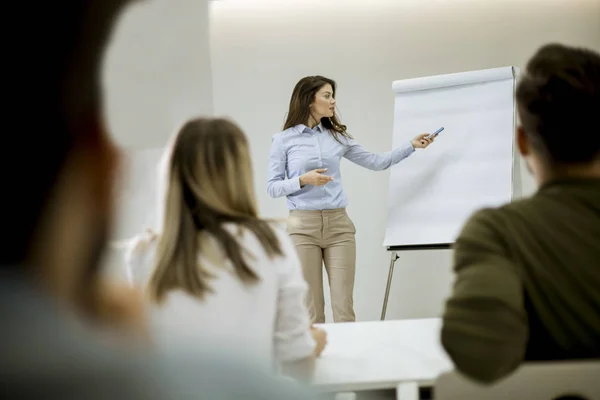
[{"x": 528, "y": 273}]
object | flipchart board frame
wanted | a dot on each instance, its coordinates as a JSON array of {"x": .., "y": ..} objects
[{"x": 395, "y": 250}]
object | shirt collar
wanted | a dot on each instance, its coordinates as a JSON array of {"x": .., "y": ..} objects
[{"x": 305, "y": 129}]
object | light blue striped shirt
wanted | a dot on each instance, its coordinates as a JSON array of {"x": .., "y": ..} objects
[{"x": 300, "y": 149}]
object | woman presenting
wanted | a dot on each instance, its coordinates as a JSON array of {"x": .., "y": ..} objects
[{"x": 304, "y": 166}]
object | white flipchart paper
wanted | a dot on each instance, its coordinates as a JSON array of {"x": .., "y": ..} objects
[{"x": 468, "y": 167}]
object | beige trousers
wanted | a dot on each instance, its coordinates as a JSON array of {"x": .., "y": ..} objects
[{"x": 326, "y": 238}]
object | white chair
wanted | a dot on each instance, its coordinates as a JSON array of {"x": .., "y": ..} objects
[
  {"x": 535, "y": 381},
  {"x": 543, "y": 381}
]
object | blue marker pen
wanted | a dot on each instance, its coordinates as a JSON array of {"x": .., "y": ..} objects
[{"x": 434, "y": 134}]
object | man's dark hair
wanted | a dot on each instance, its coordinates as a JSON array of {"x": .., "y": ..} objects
[
  {"x": 559, "y": 104},
  {"x": 52, "y": 104}
]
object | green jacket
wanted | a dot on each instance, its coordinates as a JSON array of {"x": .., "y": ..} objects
[{"x": 527, "y": 282}]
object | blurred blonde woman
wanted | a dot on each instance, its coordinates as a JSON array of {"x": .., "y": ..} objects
[{"x": 217, "y": 274}]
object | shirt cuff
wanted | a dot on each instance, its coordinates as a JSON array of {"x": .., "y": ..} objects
[
  {"x": 402, "y": 152},
  {"x": 294, "y": 185}
]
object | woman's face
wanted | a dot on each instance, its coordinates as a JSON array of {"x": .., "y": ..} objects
[{"x": 324, "y": 103}]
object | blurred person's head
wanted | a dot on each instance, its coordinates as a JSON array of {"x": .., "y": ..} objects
[
  {"x": 558, "y": 100},
  {"x": 208, "y": 184},
  {"x": 59, "y": 161}
]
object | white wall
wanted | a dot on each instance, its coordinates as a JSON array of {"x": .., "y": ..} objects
[
  {"x": 157, "y": 74},
  {"x": 157, "y": 71},
  {"x": 260, "y": 48}
]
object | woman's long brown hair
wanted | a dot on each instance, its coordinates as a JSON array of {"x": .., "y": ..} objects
[
  {"x": 209, "y": 183},
  {"x": 303, "y": 96}
]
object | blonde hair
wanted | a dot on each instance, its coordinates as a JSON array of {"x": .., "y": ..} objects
[{"x": 208, "y": 183}]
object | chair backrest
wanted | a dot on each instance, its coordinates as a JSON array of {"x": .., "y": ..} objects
[{"x": 543, "y": 381}]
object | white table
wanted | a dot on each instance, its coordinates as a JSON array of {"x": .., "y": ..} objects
[{"x": 379, "y": 355}]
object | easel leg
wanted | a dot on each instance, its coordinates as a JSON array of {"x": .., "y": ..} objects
[{"x": 393, "y": 259}]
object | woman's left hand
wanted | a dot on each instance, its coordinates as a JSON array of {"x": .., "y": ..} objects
[
  {"x": 320, "y": 337},
  {"x": 421, "y": 141}
]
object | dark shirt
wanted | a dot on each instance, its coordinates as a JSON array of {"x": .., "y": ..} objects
[{"x": 527, "y": 282}]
